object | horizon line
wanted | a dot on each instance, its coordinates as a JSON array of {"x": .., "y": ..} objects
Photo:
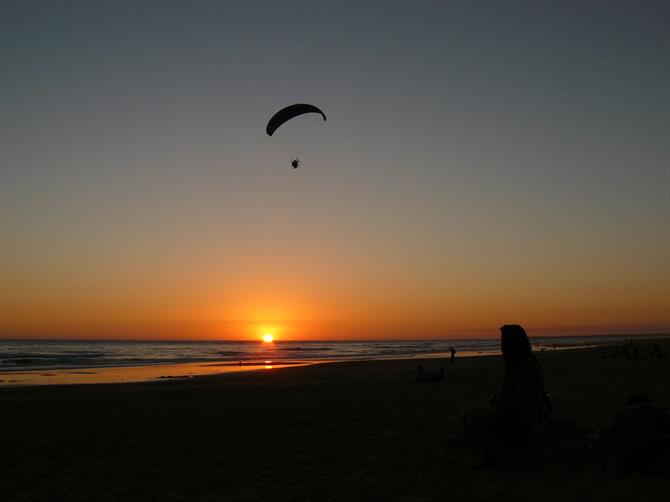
[{"x": 346, "y": 340}]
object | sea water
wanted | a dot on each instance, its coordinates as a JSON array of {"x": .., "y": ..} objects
[{"x": 29, "y": 355}]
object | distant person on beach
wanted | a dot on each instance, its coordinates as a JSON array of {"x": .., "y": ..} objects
[
  {"x": 453, "y": 355},
  {"x": 522, "y": 402},
  {"x": 429, "y": 376},
  {"x": 656, "y": 352}
]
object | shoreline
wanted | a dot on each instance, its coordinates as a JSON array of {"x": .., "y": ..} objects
[
  {"x": 133, "y": 374},
  {"x": 129, "y": 374}
]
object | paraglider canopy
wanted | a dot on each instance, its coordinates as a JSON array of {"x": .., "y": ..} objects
[{"x": 286, "y": 114}]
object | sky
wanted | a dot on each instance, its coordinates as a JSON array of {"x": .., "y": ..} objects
[{"x": 483, "y": 163}]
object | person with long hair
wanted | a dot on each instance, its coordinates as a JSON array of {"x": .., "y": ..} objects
[
  {"x": 521, "y": 403},
  {"x": 522, "y": 397}
]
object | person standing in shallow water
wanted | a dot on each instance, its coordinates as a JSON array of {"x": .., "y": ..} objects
[
  {"x": 522, "y": 402},
  {"x": 453, "y": 355}
]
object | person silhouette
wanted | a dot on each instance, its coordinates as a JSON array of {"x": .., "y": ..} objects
[
  {"x": 523, "y": 391},
  {"x": 507, "y": 422},
  {"x": 295, "y": 163},
  {"x": 453, "y": 355},
  {"x": 429, "y": 376}
]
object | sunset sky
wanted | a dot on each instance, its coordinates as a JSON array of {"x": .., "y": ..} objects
[{"x": 483, "y": 163}]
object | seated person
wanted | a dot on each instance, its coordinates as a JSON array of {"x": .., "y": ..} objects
[
  {"x": 522, "y": 401},
  {"x": 640, "y": 435}
]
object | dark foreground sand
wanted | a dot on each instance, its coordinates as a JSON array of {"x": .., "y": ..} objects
[{"x": 346, "y": 431}]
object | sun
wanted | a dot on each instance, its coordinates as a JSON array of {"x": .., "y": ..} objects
[{"x": 268, "y": 337}]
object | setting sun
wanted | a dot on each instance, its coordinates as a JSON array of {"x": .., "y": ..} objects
[{"x": 268, "y": 337}]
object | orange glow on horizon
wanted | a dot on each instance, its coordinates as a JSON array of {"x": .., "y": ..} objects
[{"x": 187, "y": 223}]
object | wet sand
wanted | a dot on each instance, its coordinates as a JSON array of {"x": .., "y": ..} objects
[
  {"x": 344, "y": 431},
  {"x": 129, "y": 374}
]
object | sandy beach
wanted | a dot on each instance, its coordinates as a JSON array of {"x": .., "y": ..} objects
[{"x": 344, "y": 431}]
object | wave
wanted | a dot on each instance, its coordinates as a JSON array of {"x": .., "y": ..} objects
[
  {"x": 31, "y": 354},
  {"x": 305, "y": 349}
]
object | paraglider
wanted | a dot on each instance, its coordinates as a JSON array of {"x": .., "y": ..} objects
[{"x": 286, "y": 114}]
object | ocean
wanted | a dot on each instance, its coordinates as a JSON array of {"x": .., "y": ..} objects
[{"x": 29, "y": 355}]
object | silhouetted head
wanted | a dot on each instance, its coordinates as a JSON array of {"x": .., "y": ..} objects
[{"x": 514, "y": 344}]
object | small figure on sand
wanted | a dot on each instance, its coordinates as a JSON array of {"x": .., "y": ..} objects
[
  {"x": 508, "y": 421},
  {"x": 429, "y": 376},
  {"x": 453, "y": 355},
  {"x": 631, "y": 350},
  {"x": 656, "y": 352},
  {"x": 295, "y": 163}
]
